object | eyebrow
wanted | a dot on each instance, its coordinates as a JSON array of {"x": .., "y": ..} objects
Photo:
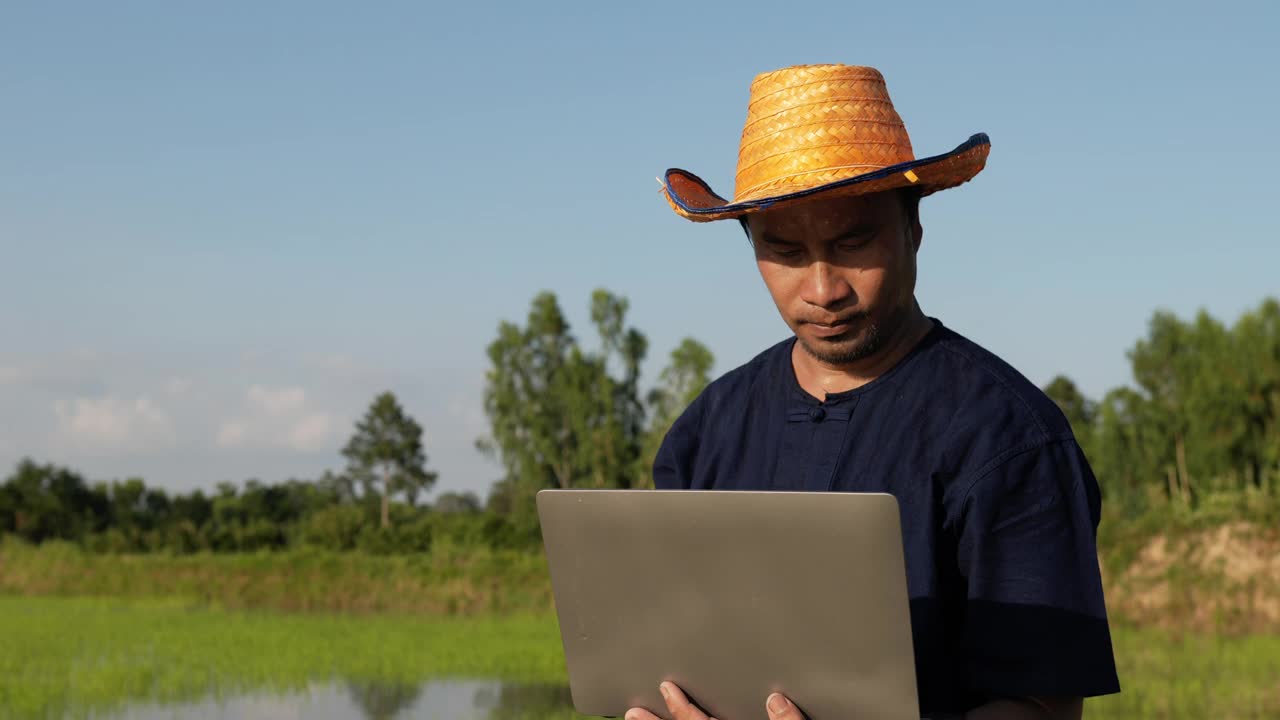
[{"x": 854, "y": 229}]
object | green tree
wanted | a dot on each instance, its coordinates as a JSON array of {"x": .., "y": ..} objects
[
  {"x": 455, "y": 502},
  {"x": 558, "y": 416},
  {"x": 1205, "y": 413},
  {"x": 1123, "y": 455},
  {"x": 43, "y": 502},
  {"x": 385, "y": 454},
  {"x": 681, "y": 381},
  {"x": 1257, "y": 345},
  {"x": 619, "y": 440},
  {"x": 1080, "y": 410},
  {"x": 1181, "y": 369},
  {"x": 337, "y": 486},
  {"x": 128, "y": 511}
]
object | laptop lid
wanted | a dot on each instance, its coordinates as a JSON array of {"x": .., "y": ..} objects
[{"x": 732, "y": 595}]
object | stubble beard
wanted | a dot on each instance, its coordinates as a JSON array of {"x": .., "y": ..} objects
[
  {"x": 859, "y": 344},
  {"x": 845, "y": 350}
]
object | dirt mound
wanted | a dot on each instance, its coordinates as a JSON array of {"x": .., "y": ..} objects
[{"x": 1225, "y": 579}]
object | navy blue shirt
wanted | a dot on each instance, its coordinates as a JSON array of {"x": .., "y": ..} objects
[{"x": 999, "y": 506}]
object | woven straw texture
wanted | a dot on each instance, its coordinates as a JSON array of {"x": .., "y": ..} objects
[{"x": 810, "y": 126}]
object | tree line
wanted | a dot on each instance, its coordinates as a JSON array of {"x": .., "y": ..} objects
[
  {"x": 1201, "y": 421},
  {"x": 561, "y": 415}
]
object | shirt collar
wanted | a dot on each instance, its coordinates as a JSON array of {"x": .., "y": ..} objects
[{"x": 784, "y": 375}]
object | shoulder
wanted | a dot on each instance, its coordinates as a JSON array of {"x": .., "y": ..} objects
[
  {"x": 986, "y": 410},
  {"x": 725, "y": 397},
  {"x": 743, "y": 382},
  {"x": 991, "y": 389}
]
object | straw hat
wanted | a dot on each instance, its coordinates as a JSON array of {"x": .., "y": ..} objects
[{"x": 819, "y": 131}]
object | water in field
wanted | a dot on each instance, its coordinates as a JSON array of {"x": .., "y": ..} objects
[{"x": 437, "y": 700}]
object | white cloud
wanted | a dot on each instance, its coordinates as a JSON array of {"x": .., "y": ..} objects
[
  {"x": 114, "y": 424},
  {"x": 10, "y": 375},
  {"x": 312, "y": 431},
  {"x": 176, "y": 386},
  {"x": 277, "y": 402},
  {"x": 232, "y": 434},
  {"x": 278, "y": 417}
]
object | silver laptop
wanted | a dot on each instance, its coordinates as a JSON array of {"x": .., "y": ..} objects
[{"x": 732, "y": 595}]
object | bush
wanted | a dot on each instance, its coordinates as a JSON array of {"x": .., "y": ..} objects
[
  {"x": 184, "y": 538},
  {"x": 410, "y": 537},
  {"x": 415, "y": 536},
  {"x": 260, "y": 534},
  {"x": 114, "y": 541},
  {"x": 334, "y": 528}
]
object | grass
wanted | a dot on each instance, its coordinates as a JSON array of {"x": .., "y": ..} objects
[
  {"x": 446, "y": 581},
  {"x": 67, "y": 657},
  {"x": 1173, "y": 677}
]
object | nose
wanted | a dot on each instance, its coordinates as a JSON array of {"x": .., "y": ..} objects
[{"x": 824, "y": 286}]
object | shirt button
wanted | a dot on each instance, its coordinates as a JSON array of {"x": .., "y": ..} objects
[{"x": 816, "y": 414}]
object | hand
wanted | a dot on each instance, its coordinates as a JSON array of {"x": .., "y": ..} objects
[{"x": 777, "y": 707}]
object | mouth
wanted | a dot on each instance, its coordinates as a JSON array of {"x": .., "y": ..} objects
[{"x": 831, "y": 329}]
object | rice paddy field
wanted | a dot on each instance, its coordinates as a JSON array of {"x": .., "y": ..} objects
[{"x": 67, "y": 657}]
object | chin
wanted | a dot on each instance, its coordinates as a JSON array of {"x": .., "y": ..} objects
[{"x": 842, "y": 349}]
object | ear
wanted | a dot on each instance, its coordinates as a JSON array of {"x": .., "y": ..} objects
[{"x": 910, "y": 199}]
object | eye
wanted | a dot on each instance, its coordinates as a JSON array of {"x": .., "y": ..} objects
[
  {"x": 786, "y": 251},
  {"x": 856, "y": 239}
]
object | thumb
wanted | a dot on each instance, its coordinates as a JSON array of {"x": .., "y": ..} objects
[{"x": 780, "y": 708}]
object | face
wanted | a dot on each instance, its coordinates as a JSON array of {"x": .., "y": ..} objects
[{"x": 842, "y": 271}]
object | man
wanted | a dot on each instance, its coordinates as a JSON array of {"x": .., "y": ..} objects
[{"x": 999, "y": 506}]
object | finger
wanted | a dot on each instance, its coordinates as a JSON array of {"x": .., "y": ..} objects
[
  {"x": 678, "y": 704},
  {"x": 637, "y": 713},
  {"x": 780, "y": 708}
]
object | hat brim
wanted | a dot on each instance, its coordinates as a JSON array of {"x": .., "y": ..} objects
[{"x": 692, "y": 198}]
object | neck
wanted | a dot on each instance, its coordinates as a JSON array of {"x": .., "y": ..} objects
[{"x": 820, "y": 379}]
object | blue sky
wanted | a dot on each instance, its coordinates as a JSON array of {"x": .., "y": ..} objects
[{"x": 224, "y": 228}]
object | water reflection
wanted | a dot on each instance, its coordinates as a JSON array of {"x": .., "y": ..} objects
[
  {"x": 517, "y": 702},
  {"x": 360, "y": 700},
  {"x": 383, "y": 701}
]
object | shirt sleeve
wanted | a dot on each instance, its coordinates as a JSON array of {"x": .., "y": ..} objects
[
  {"x": 673, "y": 466},
  {"x": 1035, "y": 623}
]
